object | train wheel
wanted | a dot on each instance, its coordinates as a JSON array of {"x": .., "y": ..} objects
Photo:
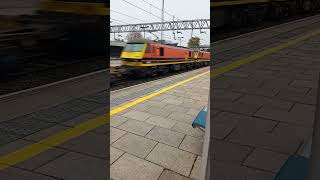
[{"x": 163, "y": 70}]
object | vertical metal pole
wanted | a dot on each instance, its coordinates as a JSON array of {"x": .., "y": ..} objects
[
  {"x": 174, "y": 36},
  {"x": 162, "y": 18},
  {"x": 191, "y": 32},
  {"x": 314, "y": 165}
]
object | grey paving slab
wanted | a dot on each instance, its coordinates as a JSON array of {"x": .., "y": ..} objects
[
  {"x": 137, "y": 115},
  {"x": 161, "y": 121},
  {"x": 45, "y": 133},
  {"x": 279, "y": 143},
  {"x": 19, "y": 174},
  {"x": 136, "y": 145},
  {"x": 103, "y": 130},
  {"x": 129, "y": 167},
  {"x": 266, "y": 160},
  {"x": 192, "y": 144},
  {"x": 267, "y": 102},
  {"x": 141, "y": 107},
  {"x": 242, "y": 122},
  {"x": 221, "y": 131},
  {"x": 100, "y": 111},
  {"x": 187, "y": 129},
  {"x": 170, "y": 175},
  {"x": 230, "y": 152},
  {"x": 154, "y": 103},
  {"x": 300, "y": 114},
  {"x": 115, "y": 154},
  {"x": 101, "y": 97},
  {"x": 172, "y": 101},
  {"x": 13, "y": 146},
  {"x": 172, "y": 158},
  {"x": 25, "y": 125},
  {"x": 41, "y": 159},
  {"x": 117, "y": 120},
  {"x": 222, "y": 170},
  {"x": 79, "y": 119},
  {"x": 165, "y": 136},
  {"x": 136, "y": 127},
  {"x": 225, "y": 95},
  {"x": 76, "y": 166},
  {"x": 89, "y": 143},
  {"x": 175, "y": 108},
  {"x": 246, "y": 109},
  {"x": 182, "y": 117},
  {"x": 159, "y": 112},
  {"x": 196, "y": 170},
  {"x": 115, "y": 134},
  {"x": 57, "y": 114},
  {"x": 7, "y": 137},
  {"x": 261, "y": 91},
  {"x": 294, "y": 130}
]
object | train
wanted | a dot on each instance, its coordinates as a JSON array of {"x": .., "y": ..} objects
[
  {"x": 248, "y": 12},
  {"x": 78, "y": 26},
  {"x": 147, "y": 58},
  {"x": 62, "y": 30},
  {"x": 65, "y": 27}
]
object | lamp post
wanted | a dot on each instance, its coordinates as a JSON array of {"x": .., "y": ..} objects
[{"x": 162, "y": 19}]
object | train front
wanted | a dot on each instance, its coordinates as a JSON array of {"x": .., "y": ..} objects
[{"x": 133, "y": 53}]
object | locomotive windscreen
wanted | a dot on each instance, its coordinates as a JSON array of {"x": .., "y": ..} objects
[{"x": 136, "y": 47}]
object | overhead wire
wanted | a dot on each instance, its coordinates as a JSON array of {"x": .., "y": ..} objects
[
  {"x": 172, "y": 15},
  {"x": 150, "y": 13}
]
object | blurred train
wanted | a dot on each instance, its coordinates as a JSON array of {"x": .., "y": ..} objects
[
  {"x": 246, "y": 12},
  {"x": 77, "y": 26},
  {"x": 143, "y": 57},
  {"x": 62, "y": 28}
]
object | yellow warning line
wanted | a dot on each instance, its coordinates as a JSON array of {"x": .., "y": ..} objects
[
  {"x": 61, "y": 137},
  {"x": 130, "y": 104},
  {"x": 32, "y": 150},
  {"x": 262, "y": 54}
]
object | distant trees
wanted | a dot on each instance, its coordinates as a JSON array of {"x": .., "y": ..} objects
[
  {"x": 134, "y": 36},
  {"x": 194, "y": 42}
]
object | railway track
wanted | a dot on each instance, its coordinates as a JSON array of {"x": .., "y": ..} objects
[
  {"x": 228, "y": 32},
  {"x": 35, "y": 76}
]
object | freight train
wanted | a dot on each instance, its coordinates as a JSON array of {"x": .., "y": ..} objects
[
  {"x": 79, "y": 26},
  {"x": 246, "y": 12},
  {"x": 56, "y": 30},
  {"x": 143, "y": 58}
]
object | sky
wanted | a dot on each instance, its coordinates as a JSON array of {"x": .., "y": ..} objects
[{"x": 122, "y": 12}]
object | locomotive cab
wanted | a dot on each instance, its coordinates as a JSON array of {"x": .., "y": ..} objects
[{"x": 134, "y": 50}]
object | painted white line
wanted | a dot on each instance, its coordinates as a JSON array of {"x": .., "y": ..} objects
[{"x": 50, "y": 85}]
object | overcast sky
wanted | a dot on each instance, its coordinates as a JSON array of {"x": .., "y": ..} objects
[{"x": 181, "y": 9}]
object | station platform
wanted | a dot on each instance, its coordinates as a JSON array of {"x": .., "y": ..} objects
[
  {"x": 57, "y": 131},
  {"x": 153, "y": 139},
  {"x": 263, "y": 90}
]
